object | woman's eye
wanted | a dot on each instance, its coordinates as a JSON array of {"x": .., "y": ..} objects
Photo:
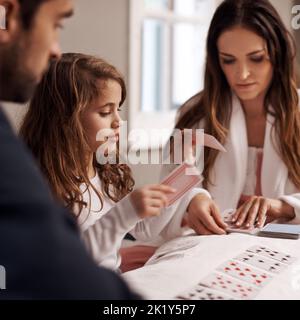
[
  {"x": 257, "y": 59},
  {"x": 228, "y": 61},
  {"x": 119, "y": 109}
]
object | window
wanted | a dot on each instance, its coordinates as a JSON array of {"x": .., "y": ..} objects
[{"x": 167, "y": 56}]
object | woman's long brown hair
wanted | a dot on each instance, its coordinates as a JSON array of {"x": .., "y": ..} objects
[
  {"x": 52, "y": 129},
  {"x": 214, "y": 103}
]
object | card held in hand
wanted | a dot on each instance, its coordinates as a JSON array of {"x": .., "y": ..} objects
[{"x": 183, "y": 179}]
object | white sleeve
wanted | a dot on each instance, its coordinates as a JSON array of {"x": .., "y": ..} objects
[
  {"x": 168, "y": 223},
  {"x": 104, "y": 237},
  {"x": 294, "y": 201}
]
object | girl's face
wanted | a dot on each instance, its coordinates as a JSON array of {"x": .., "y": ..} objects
[
  {"x": 245, "y": 62},
  {"x": 103, "y": 112}
]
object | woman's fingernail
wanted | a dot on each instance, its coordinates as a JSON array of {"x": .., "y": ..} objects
[
  {"x": 248, "y": 225},
  {"x": 238, "y": 223}
]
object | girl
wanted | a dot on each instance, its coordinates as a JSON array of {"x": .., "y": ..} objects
[
  {"x": 79, "y": 96},
  {"x": 249, "y": 103}
]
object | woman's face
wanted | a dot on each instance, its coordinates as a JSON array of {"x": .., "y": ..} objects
[
  {"x": 103, "y": 113},
  {"x": 245, "y": 62}
]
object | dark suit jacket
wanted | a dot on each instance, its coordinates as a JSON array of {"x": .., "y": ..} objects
[{"x": 40, "y": 246}]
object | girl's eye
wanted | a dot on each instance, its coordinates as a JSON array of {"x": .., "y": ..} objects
[
  {"x": 257, "y": 59},
  {"x": 104, "y": 114}
]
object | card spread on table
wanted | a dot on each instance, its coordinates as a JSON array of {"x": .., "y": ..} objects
[
  {"x": 261, "y": 262},
  {"x": 273, "y": 254},
  {"x": 245, "y": 273},
  {"x": 201, "y": 293},
  {"x": 242, "y": 277},
  {"x": 181, "y": 181},
  {"x": 229, "y": 286}
]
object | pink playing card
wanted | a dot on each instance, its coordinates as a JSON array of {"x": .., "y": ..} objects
[
  {"x": 183, "y": 179},
  {"x": 232, "y": 228},
  {"x": 212, "y": 142}
]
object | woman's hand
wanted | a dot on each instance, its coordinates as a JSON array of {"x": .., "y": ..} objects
[
  {"x": 256, "y": 210},
  {"x": 150, "y": 199},
  {"x": 203, "y": 216}
]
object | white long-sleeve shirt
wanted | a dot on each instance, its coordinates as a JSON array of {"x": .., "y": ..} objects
[
  {"x": 103, "y": 230},
  {"x": 229, "y": 175}
]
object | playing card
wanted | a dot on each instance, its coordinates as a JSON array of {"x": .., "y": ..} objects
[
  {"x": 227, "y": 214},
  {"x": 212, "y": 142},
  {"x": 229, "y": 286},
  {"x": 245, "y": 273},
  {"x": 273, "y": 254},
  {"x": 181, "y": 181},
  {"x": 201, "y": 293},
  {"x": 277, "y": 230},
  {"x": 261, "y": 262},
  {"x": 232, "y": 228}
]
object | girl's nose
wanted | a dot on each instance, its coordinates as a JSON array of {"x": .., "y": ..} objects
[{"x": 117, "y": 123}]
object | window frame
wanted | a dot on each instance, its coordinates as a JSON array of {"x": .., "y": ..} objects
[{"x": 164, "y": 118}]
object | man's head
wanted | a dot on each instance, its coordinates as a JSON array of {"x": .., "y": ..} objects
[{"x": 29, "y": 40}]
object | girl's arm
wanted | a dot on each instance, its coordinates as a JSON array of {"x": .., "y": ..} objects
[
  {"x": 169, "y": 223},
  {"x": 104, "y": 237}
]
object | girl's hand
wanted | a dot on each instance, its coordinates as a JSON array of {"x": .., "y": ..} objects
[
  {"x": 150, "y": 199},
  {"x": 256, "y": 210},
  {"x": 204, "y": 217}
]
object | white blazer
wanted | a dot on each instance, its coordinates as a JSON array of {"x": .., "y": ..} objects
[{"x": 230, "y": 169}]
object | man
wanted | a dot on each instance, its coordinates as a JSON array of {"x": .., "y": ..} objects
[{"x": 39, "y": 245}]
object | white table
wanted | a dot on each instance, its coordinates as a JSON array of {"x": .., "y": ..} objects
[{"x": 191, "y": 258}]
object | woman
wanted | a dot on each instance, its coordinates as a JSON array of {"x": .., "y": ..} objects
[{"x": 250, "y": 104}]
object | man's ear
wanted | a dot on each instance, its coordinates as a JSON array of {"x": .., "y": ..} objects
[{"x": 9, "y": 19}]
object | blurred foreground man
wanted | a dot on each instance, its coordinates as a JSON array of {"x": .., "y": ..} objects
[{"x": 40, "y": 248}]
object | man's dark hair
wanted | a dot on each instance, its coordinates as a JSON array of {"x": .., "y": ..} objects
[{"x": 28, "y": 10}]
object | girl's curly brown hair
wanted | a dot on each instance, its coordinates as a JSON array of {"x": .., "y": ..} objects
[{"x": 52, "y": 129}]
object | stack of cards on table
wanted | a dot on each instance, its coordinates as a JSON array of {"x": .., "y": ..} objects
[
  {"x": 241, "y": 277},
  {"x": 276, "y": 230},
  {"x": 232, "y": 228}
]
